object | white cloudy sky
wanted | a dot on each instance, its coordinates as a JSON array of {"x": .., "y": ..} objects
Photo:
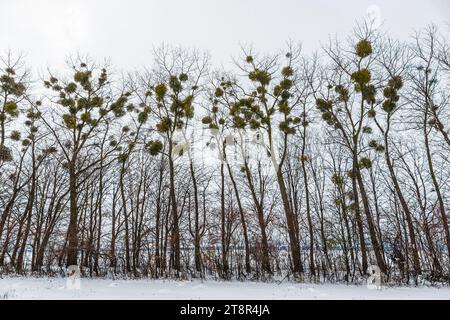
[{"x": 125, "y": 31}]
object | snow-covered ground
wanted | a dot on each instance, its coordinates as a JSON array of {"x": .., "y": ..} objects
[{"x": 56, "y": 288}]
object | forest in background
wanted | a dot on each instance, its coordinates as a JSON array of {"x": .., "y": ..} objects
[{"x": 316, "y": 167}]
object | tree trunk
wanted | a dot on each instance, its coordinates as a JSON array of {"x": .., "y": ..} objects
[
  {"x": 408, "y": 215},
  {"x": 308, "y": 207},
  {"x": 175, "y": 230},
  {"x": 372, "y": 232},
  {"x": 72, "y": 233},
  {"x": 436, "y": 186},
  {"x": 241, "y": 215}
]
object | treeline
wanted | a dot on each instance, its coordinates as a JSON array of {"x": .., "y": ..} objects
[{"x": 319, "y": 167}]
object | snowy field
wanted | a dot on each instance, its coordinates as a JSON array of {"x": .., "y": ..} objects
[{"x": 56, "y": 288}]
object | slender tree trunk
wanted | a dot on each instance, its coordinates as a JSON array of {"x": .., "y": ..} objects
[
  {"x": 293, "y": 239},
  {"x": 408, "y": 215},
  {"x": 175, "y": 230},
  {"x": 72, "y": 233},
  {"x": 436, "y": 186},
  {"x": 292, "y": 229},
  {"x": 242, "y": 216},
  {"x": 100, "y": 217},
  {"x": 373, "y": 236},
  {"x": 261, "y": 222},
  {"x": 197, "y": 236},
  {"x": 158, "y": 219},
  {"x": 308, "y": 207},
  {"x": 225, "y": 267},
  {"x": 126, "y": 219},
  {"x": 359, "y": 222}
]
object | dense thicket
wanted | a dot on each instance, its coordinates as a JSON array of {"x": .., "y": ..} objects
[{"x": 312, "y": 167}]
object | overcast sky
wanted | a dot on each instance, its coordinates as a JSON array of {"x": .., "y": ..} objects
[{"x": 125, "y": 31}]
